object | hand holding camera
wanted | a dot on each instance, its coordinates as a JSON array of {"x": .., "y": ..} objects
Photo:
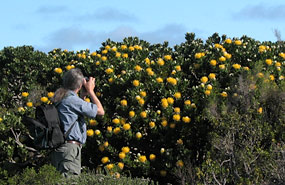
[{"x": 88, "y": 85}]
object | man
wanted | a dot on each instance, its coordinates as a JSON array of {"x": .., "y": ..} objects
[{"x": 72, "y": 109}]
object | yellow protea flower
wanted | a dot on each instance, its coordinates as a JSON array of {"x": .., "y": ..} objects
[
  {"x": 110, "y": 80},
  {"x": 127, "y": 126},
  {"x": 213, "y": 62},
  {"x": 236, "y": 66},
  {"x": 123, "y": 47},
  {"x": 187, "y": 102},
  {"x": 222, "y": 66},
  {"x": 117, "y": 130},
  {"x": 268, "y": 62},
  {"x": 171, "y": 80},
  {"x": 104, "y": 160},
  {"x": 97, "y": 63},
  {"x": 87, "y": 100},
  {"x": 138, "y": 47},
  {"x": 164, "y": 123},
  {"x": 271, "y": 77},
  {"x": 177, "y": 109},
  {"x": 209, "y": 87},
  {"x": 282, "y": 55},
  {"x": 107, "y": 47},
  {"x": 124, "y": 102},
  {"x": 142, "y": 158},
  {"x": 260, "y": 75},
  {"x": 198, "y": 55},
  {"x": 136, "y": 83},
  {"x": 152, "y": 157},
  {"x": 164, "y": 102},
  {"x": 110, "y": 166},
  {"x": 109, "y": 70},
  {"x": 222, "y": 59},
  {"x": 138, "y": 135},
  {"x": 93, "y": 54},
  {"x": 121, "y": 165},
  {"x": 68, "y": 67},
  {"x": 44, "y": 99},
  {"x": 228, "y": 41},
  {"x": 1, "y": 119},
  {"x": 104, "y": 51},
  {"x": 246, "y": 68},
  {"x": 122, "y": 155},
  {"x": 277, "y": 64},
  {"x": 147, "y": 61},
  {"x": 143, "y": 114},
  {"x": 151, "y": 124},
  {"x": 224, "y": 94},
  {"x": 138, "y": 68},
  {"x": 159, "y": 80},
  {"x": 98, "y": 55},
  {"x": 186, "y": 119},
  {"x": 207, "y": 92},
  {"x": 177, "y": 95},
  {"x": 125, "y": 149},
  {"x": 25, "y": 94},
  {"x": 170, "y": 100},
  {"x": 150, "y": 72},
  {"x": 132, "y": 114},
  {"x": 227, "y": 55},
  {"x": 180, "y": 163},
  {"x": 167, "y": 57},
  {"x": 163, "y": 173},
  {"x": 106, "y": 144},
  {"x": 178, "y": 68},
  {"x": 58, "y": 70},
  {"x": 204, "y": 79},
  {"x": 143, "y": 93},
  {"x": 123, "y": 121},
  {"x": 93, "y": 122},
  {"x": 141, "y": 101},
  {"x": 160, "y": 62},
  {"x": 261, "y": 48},
  {"x": 238, "y": 42},
  {"x": 50, "y": 94},
  {"x": 260, "y": 110},
  {"x": 125, "y": 55},
  {"x": 90, "y": 132},
  {"x": 176, "y": 117},
  {"x": 114, "y": 48},
  {"x": 172, "y": 125},
  {"x": 21, "y": 109},
  {"x": 29, "y": 104},
  {"x": 109, "y": 129},
  {"x": 118, "y": 54},
  {"x": 97, "y": 132},
  {"x": 180, "y": 141},
  {"x": 131, "y": 48},
  {"x": 116, "y": 121},
  {"x": 159, "y": 111}
]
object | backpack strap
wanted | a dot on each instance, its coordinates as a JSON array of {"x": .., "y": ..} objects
[{"x": 69, "y": 130}]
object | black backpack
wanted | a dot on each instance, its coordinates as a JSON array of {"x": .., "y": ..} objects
[{"x": 46, "y": 128}]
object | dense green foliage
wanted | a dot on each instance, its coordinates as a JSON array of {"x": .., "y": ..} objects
[{"x": 208, "y": 112}]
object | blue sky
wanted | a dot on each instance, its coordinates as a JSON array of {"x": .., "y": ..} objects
[{"x": 77, "y": 25}]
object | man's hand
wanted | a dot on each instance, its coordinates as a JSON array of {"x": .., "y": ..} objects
[{"x": 90, "y": 85}]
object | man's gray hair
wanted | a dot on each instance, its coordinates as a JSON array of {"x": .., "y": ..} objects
[{"x": 72, "y": 79}]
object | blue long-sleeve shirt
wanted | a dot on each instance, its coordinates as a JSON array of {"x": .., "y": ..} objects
[{"x": 73, "y": 109}]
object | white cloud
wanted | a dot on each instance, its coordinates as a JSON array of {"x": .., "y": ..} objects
[
  {"x": 74, "y": 38},
  {"x": 261, "y": 12},
  {"x": 108, "y": 14}
]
